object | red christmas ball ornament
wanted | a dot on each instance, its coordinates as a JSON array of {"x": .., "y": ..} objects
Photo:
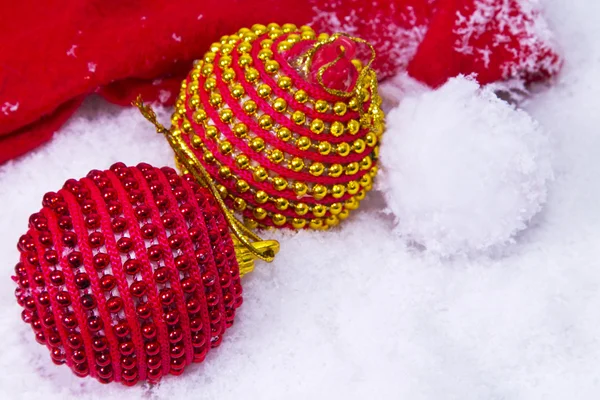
[{"x": 131, "y": 274}]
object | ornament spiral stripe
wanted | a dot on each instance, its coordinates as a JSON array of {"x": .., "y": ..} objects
[{"x": 128, "y": 274}]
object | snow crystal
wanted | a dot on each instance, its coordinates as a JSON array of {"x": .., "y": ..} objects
[
  {"x": 176, "y": 38},
  {"x": 71, "y": 51},
  {"x": 92, "y": 67},
  {"x": 8, "y": 108}
]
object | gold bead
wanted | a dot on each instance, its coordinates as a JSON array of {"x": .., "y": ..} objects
[
  {"x": 338, "y": 191},
  {"x": 317, "y": 126},
  {"x": 335, "y": 208},
  {"x": 242, "y": 186},
  {"x": 300, "y": 188},
  {"x": 224, "y": 172},
  {"x": 319, "y": 191},
  {"x": 298, "y": 117},
  {"x": 196, "y": 142},
  {"x": 266, "y": 43},
  {"x": 353, "y": 104},
  {"x": 226, "y": 115},
  {"x": 332, "y": 221},
  {"x": 303, "y": 143},
  {"x": 353, "y": 187},
  {"x": 343, "y": 149},
  {"x": 257, "y": 144},
  {"x": 298, "y": 223},
  {"x": 242, "y": 161},
  {"x": 324, "y": 148},
  {"x": 366, "y": 180},
  {"x": 239, "y": 204},
  {"x": 316, "y": 223},
  {"x": 250, "y": 223},
  {"x": 206, "y": 70},
  {"x": 373, "y": 171},
  {"x": 301, "y": 96},
  {"x": 301, "y": 208},
  {"x": 260, "y": 174},
  {"x": 319, "y": 210},
  {"x": 259, "y": 213},
  {"x": 276, "y": 156},
  {"x": 215, "y": 100},
  {"x": 339, "y": 108},
  {"x": 222, "y": 191},
  {"x": 265, "y": 122},
  {"x": 259, "y": 29},
  {"x": 199, "y": 116},
  {"x": 215, "y": 47},
  {"x": 293, "y": 38},
  {"x": 364, "y": 95},
  {"x": 321, "y": 106},
  {"x": 224, "y": 62},
  {"x": 225, "y": 147},
  {"x": 226, "y": 49},
  {"x": 371, "y": 139},
  {"x": 335, "y": 170},
  {"x": 352, "y": 168},
  {"x": 366, "y": 163},
  {"x": 273, "y": 26},
  {"x": 251, "y": 74},
  {"x": 296, "y": 164},
  {"x": 194, "y": 101},
  {"x": 237, "y": 91},
  {"x": 351, "y": 203},
  {"x": 209, "y": 57},
  {"x": 322, "y": 37},
  {"x": 287, "y": 28},
  {"x": 279, "y": 183},
  {"x": 283, "y": 46},
  {"x": 337, "y": 128},
  {"x": 279, "y": 219},
  {"x": 282, "y": 204},
  {"x": 271, "y": 67},
  {"x": 186, "y": 126},
  {"x": 316, "y": 169},
  {"x": 343, "y": 215},
  {"x": 280, "y": 105},
  {"x": 261, "y": 197},
  {"x": 240, "y": 129},
  {"x": 361, "y": 194},
  {"x": 264, "y": 90},
  {"x": 245, "y": 59},
  {"x": 359, "y": 146},
  {"x": 195, "y": 74},
  {"x": 244, "y": 47},
  {"x": 353, "y": 126},
  {"x": 209, "y": 157},
  {"x": 193, "y": 88},
  {"x": 308, "y": 35},
  {"x": 284, "y": 134},
  {"x": 284, "y": 82}
]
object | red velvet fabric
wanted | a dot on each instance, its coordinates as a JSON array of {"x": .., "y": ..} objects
[{"x": 53, "y": 56}]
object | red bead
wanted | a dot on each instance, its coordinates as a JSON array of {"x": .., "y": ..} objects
[
  {"x": 20, "y": 269},
  {"x": 193, "y": 305},
  {"x": 114, "y": 304},
  {"x": 177, "y": 363},
  {"x": 188, "y": 285},
  {"x": 215, "y": 316},
  {"x": 99, "y": 343},
  {"x": 44, "y": 299},
  {"x": 63, "y": 298},
  {"x": 48, "y": 321},
  {"x": 154, "y": 362},
  {"x": 101, "y": 261},
  {"x": 143, "y": 310},
  {"x": 149, "y": 330},
  {"x": 119, "y": 225},
  {"x": 33, "y": 259},
  {"x": 175, "y": 241},
  {"x": 130, "y": 183},
  {"x": 78, "y": 356},
  {"x": 95, "y": 323},
  {"x": 132, "y": 266},
  {"x": 126, "y": 348},
  {"x": 161, "y": 203},
  {"x": 69, "y": 321},
  {"x": 50, "y": 199},
  {"x": 209, "y": 279},
  {"x": 195, "y": 233},
  {"x": 92, "y": 221},
  {"x": 212, "y": 299},
  {"x": 201, "y": 256},
  {"x": 75, "y": 259},
  {"x": 155, "y": 253},
  {"x": 122, "y": 329},
  {"x": 82, "y": 280},
  {"x": 188, "y": 211},
  {"x": 103, "y": 359},
  {"x": 167, "y": 296},
  {"x": 38, "y": 278},
  {"x": 125, "y": 244},
  {"x": 128, "y": 362},
  {"x": 114, "y": 208},
  {"x": 154, "y": 374},
  {"x": 136, "y": 196},
  {"x": 88, "y": 302},
  {"x": 149, "y": 231},
  {"x": 57, "y": 278},
  {"x": 81, "y": 370},
  {"x": 152, "y": 348},
  {"x": 69, "y": 239},
  {"x": 142, "y": 212},
  {"x": 130, "y": 375},
  {"x": 195, "y": 324},
  {"x": 62, "y": 209},
  {"x": 180, "y": 194},
  {"x": 40, "y": 338},
  {"x": 172, "y": 317},
  {"x": 88, "y": 206},
  {"x": 156, "y": 188},
  {"x": 45, "y": 238},
  {"x": 54, "y": 339},
  {"x": 225, "y": 281},
  {"x": 74, "y": 340},
  {"x": 168, "y": 220},
  {"x": 51, "y": 257},
  {"x": 26, "y": 243},
  {"x": 65, "y": 223},
  {"x": 105, "y": 372},
  {"x": 24, "y": 282},
  {"x": 182, "y": 262},
  {"x": 198, "y": 340},
  {"x": 175, "y": 335},
  {"x": 30, "y": 303},
  {"x": 161, "y": 275},
  {"x": 109, "y": 194},
  {"x": 108, "y": 282},
  {"x": 96, "y": 239},
  {"x": 57, "y": 354},
  {"x": 138, "y": 289},
  {"x": 177, "y": 350},
  {"x": 228, "y": 299}
]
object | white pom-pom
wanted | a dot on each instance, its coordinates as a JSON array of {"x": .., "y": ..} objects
[{"x": 462, "y": 170}]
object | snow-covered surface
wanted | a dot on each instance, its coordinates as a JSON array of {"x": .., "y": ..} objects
[
  {"x": 357, "y": 313},
  {"x": 467, "y": 180}
]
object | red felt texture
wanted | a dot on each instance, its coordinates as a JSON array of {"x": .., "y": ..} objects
[{"x": 52, "y": 57}]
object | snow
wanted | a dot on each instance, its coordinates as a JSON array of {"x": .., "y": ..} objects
[
  {"x": 357, "y": 313},
  {"x": 467, "y": 182}
]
